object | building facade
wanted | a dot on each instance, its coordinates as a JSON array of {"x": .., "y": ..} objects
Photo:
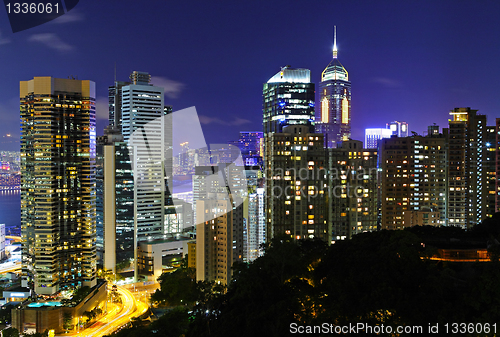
[
  {"x": 58, "y": 200},
  {"x": 414, "y": 177},
  {"x": 296, "y": 185},
  {"x": 145, "y": 132},
  {"x": 115, "y": 206},
  {"x": 467, "y": 177},
  {"x": 490, "y": 169},
  {"x": 353, "y": 192}
]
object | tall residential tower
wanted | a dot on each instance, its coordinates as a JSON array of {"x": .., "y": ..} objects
[{"x": 58, "y": 198}]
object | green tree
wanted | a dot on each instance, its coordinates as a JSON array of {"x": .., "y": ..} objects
[
  {"x": 67, "y": 321},
  {"x": 10, "y": 332},
  {"x": 177, "y": 288}
]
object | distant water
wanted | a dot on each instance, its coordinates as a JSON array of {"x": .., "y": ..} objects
[{"x": 10, "y": 211}]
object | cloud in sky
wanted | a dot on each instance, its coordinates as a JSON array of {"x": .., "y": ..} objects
[
  {"x": 3, "y": 40},
  {"x": 172, "y": 88},
  {"x": 214, "y": 120},
  {"x": 387, "y": 82},
  {"x": 52, "y": 41},
  {"x": 68, "y": 17}
]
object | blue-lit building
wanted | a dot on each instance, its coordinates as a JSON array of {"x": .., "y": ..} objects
[
  {"x": 288, "y": 99},
  {"x": 333, "y": 119},
  {"x": 251, "y": 145}
]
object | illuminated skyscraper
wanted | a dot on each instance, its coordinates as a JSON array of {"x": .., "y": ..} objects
[
  {"x": 58, "y": 195},
  {"x": 288, "y": 100},
  {"x": 333, "y": 119},
  {"x": 145, "y": 131}
]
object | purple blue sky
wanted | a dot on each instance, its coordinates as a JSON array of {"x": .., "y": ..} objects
[{"x": 407, "y": 60}]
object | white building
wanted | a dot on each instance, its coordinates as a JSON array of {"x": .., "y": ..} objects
[
  {"x": 144, "y": 130},
  {"x": 373, "y": 135}
]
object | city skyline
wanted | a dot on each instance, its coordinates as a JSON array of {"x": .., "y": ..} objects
[
  {"x": 208, "y": 158},
  {"x": 408, "y": 66}
]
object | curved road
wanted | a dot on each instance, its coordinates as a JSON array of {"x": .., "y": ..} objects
[{"x": 116, "y": 317}]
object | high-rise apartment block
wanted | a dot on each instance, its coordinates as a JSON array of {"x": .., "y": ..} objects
[
  {"x": 215, "y": 250},
  {"x": 353, "y": 192},
  {"x": 219, "y": 206},
  {"x": 466, "y": 153},
  {"x": 296, "y": 184},
  {"x": 58, "y": 201},
  {"x": 414, "y": 178},
  {"x": 333, "y": 119}
]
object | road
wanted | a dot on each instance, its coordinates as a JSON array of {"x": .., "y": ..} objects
[
  {"x": 10, "y": 267},
  {"x": 116, "y": 317},
  {"x": 13, "y": 238}
]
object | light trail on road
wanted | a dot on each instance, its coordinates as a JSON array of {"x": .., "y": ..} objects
[{"x": 116, "y": 318}]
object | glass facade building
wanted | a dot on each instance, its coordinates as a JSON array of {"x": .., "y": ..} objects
[
  {"x": 58, "y": 193},
  {"x": 288, "y": 100}
]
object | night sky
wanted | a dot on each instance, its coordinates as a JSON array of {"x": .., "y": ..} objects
[{"x": 407, "y": 60}]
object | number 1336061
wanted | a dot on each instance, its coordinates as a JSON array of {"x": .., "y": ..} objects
[
  {"x": 472, "y": 328},
  {"x": 32, "y": 8}
]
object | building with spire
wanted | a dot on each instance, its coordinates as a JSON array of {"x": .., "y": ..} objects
[{"x": 333, "y": 119}]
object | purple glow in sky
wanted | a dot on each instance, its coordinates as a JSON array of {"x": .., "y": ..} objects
[{"x": 407, "y": 60}]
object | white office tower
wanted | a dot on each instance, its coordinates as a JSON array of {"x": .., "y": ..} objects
[{"x": 143, "y": 129}]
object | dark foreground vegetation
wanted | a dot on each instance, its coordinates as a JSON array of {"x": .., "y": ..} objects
[{"x": 375, "y": 278}]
